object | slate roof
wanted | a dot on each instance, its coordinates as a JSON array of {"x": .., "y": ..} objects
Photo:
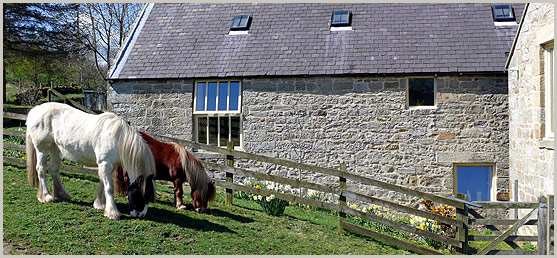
[{"x": 184, "y": 40}]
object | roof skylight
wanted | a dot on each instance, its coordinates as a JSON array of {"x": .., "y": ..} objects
[
  {"x": 503, "y": 12},
  {"x": 240, "y": 22},
  {"x": 341, "y": 19}
]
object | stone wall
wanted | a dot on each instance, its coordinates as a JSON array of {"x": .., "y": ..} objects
[
  {"x": 157, "y": 106},
  {"x": 531, "y": 154},
  {"x": 361, "y": 121}
]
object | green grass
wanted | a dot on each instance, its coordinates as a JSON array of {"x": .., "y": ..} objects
[
  {"x": 75, "y": 227},
  {"x": 16, "y": 106},
  {"x": 501, "y": 246}
]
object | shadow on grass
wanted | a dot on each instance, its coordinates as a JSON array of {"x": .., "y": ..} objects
[
  {"x": 221, "y": 213},
  {"x": 164, "y": 216},
  {"x": 82, "y": 203}
]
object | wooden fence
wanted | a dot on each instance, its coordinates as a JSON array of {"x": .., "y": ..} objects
[{"x": 462, "y": 222}]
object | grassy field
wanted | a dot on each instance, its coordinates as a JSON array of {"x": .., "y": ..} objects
[{"x": 77, "y": 228}]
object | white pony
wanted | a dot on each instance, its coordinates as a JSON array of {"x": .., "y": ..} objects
[{"x": 103, "y": 140}]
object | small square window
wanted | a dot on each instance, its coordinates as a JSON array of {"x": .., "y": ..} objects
[
  {"x": 421, "y": 92},
  {"x": 341, "y": 18},
  {"x": 474, "y": 181},
  {"x": 241, "y": 22},
  {"x": 503, "y": 13}
]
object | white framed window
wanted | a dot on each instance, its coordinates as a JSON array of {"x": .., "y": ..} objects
[
  {"x": 549, "y": 91},
  {"x": 217, "y": 112},
  {"x": 475, "y": 180},
  {"x": 421, "y": 92}
]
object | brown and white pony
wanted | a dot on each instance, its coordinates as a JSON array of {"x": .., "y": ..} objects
[{"x": 175, "y": 164}]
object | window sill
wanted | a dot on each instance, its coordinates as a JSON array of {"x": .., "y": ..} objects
[
  {"x": 341, "y": 28},
  {"x": 238, "y": 32},
  {"x": 547, "y": 143},
  {"x": 422, "y": 107},
  {"x": 505, "y": 23}
]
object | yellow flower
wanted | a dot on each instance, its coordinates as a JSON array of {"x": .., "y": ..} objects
[
  {"x": 24, "y": 157},
  {"x": 258, "y": 187}
]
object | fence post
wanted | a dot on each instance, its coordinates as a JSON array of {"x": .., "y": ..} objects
[
  {"x": 342, "y": 198},
  {"x": 229, "y": 176},
  {"x": 462, "y": 232},
  {"x": 542, "y": 226}
]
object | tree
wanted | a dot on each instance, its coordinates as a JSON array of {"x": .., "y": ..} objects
[
  {"x": 38, "y": 32},
  {"x": 104, "y": 28}
]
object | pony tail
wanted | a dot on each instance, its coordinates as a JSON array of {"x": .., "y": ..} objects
[
  {"x": 31, "y": 161},
  {"x": 120, "y": 179}
]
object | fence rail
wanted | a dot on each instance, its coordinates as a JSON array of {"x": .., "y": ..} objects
[
  {"x": 315, "y": 169},
  {"x": 467, "y": 215}
]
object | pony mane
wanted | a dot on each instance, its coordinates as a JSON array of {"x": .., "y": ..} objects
[
  {"x": 195, "y": 172},
  {"x": 134, "y": 153}
]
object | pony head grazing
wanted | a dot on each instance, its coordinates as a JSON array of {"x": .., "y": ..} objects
[
  {"x": 137, "y": 200},
  {"x": 202, "y": 187},
  {"x": 200, "y": 199},
  {"x": 139, "y": 163}
]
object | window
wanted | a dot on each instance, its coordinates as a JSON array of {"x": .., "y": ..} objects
[
  {"x": 421, "y": 92},
  {"x": 217, "y": 113},
  {"x": 503, "y": 12},
  {"x": 549, "y": 91},
  {"x": 475, "y": 181},
  {"x": 240, "y": 22},
  {"x": 341, "y": 19}
]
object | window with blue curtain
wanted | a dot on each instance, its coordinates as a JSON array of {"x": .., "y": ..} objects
[{"x": 474, "y": 182}]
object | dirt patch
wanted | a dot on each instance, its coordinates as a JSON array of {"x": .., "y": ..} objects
[{"x": 11, "y": 249}]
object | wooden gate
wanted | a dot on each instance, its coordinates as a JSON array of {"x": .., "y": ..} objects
[{"x": 538, "y": 214}]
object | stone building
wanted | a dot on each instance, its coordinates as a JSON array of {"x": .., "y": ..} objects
[
  {"x": 412, "y": 94},
  {"x": 531, "y": 109}
]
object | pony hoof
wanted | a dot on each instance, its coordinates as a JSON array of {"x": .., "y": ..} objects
[
  {"x": 182, "y": 207},
  {"x": 46, "y": 198},
  {"x": 97, "y": 205},
  {"x": 112, "y": 215},
  {"x": 63, "y": 197}
]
